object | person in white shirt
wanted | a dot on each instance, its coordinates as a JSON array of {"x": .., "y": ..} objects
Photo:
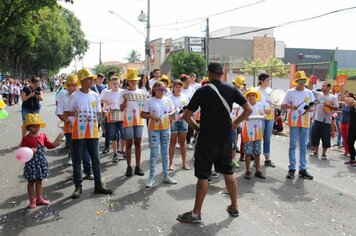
[
  {"x": 112, "y": 100},
  {"x": 188, "y": 91},
  {"x": 267, "y": 124},
  {"x": 193, "y": 81},
  {"x": 84, "y": 106},
  {"x": 158, "y": 110},
  {"x": 295, "y": 100},
  {"x": 133, "y": 99},
  {"x": 167, "y": 83},
  {"x": 179, "y": 127},
  {"x": 157, "y": 75}
]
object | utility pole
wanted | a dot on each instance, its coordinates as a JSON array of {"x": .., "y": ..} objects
[
  {"x": 148, "y": 38},
  {"x": 207, "y": 43},
  {"x": 100, "y": 43}
]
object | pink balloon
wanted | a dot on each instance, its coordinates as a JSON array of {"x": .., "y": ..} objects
[{"x": 24, "y": 154}]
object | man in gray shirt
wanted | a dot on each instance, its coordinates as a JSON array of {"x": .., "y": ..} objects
[{"x": 321, "y": 128}]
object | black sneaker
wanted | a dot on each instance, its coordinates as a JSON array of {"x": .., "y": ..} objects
[
  {"x": 106, "y": 150},
  {"x": 114, "y": 158},
  {"x": 138, "y": 171},
  {"x": 129, "y": 171},
  {"x": 290, "y": 174},
  {"x": 189, "y": 218},
  {"x": 269, "y": 163},
  {"x": 304, "y": 174}
]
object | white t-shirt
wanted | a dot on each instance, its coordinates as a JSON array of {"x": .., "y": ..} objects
[
  {"x": 168, "y": 92},
  {"x": 320, "y": 114},
  {"x": 252, "y": 129},
  {"x": 135, "y": 101},
  {"x": 62, "y": 103},
  {"x": 61, "y": 93},
  {"x": 87, "y": 106},
  {"x": 160, "y": 108},
  {"x": 299, "y": 99},
  {"x": 179, "y": 102},
  {"x": 195, "y": 86},
  {"x": 152, "y": 82},
  {"x": 113, "y": 99},
  {"x": 235, "y": 111},
  {"x": 265, "y": 101},
  {"x": 188, "y": 92}
]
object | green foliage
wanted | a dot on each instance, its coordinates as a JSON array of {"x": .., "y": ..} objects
[
  {"x": 13, "y": 12},
  {"x": 350, "y": 73},
  {"x": 273, "y": 66},
  {"x": 186, "y": 63},
  {"x": 105, "y": 69},
  {"x": 46, "y": 42},
  {"x": 133, "y": 56}
]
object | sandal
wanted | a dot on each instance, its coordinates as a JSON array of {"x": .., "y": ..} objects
[
  {"x": 232, "y": 212},
  {"x": 171, "y": 168},
  {"x": 186, "y": 167},
  {"x": 314, "y": 154},
  {"x": 248, "y": 175}
]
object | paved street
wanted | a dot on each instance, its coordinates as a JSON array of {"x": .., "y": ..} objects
[{"x": 275, "y": 206}]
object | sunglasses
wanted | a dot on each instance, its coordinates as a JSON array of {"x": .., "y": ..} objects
[
  {"x": 302, "y": 81},
  {"x": 159, "y": 89}
]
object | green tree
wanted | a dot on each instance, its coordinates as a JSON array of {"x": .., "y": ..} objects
[
  {"x": 186, "y": 63},
  {"x": 273, "y": 66},
  {"x": 45, "y": 43},
  {"x": 14, "y": 12},
  {"x": 133, "y": 56},
  {"x": 105, "y": 69}
]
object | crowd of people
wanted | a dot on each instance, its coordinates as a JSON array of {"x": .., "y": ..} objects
[{"x": 215, "y": 113}]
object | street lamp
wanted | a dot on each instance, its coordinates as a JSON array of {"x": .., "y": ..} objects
[{"x": 146, "y": 18}]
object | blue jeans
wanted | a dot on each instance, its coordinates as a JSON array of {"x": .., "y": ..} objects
[
  {"x": 267, "y": 128},
  {"x": 159, "y": 139},
  {"x": 339, "y": 137},
  {"x": 78, "y": 152},
  {"x": 301, "y": 134},
  {"x": 86, "y": 158}
]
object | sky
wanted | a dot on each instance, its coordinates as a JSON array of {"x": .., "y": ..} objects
[{"x": 119, "y": 37}]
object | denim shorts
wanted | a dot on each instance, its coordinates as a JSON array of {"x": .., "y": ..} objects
[
  {"x": 179, "y": 126},
  {"x": 25, "y": 111},
  {"x": 115, "y": 131},
  {"x": 253, "y": 148},
  {"x": 133, "y": 132}
]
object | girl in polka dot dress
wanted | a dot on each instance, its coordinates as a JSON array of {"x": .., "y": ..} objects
[{"x": 36, "y": 169}]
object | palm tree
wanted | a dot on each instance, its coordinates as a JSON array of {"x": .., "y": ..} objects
[{"x": 133, "y": 56}]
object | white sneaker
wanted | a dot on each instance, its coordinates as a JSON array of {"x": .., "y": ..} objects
[
  {"x": 70, "y": 161},
  {"x": 169, "y": 180},
  {"x": 177, "y": 145},
  {"x": 190, "y": 146},
  {"x": 150, "y": 183}
]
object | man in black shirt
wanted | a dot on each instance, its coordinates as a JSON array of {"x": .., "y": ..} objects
[{"x": 214, "y": 141}]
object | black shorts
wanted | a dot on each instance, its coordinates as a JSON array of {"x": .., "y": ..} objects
[
  {"x": 207, "y": 155},
  {"x": 321, "y": 131}
]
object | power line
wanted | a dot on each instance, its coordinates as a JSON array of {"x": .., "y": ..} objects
[
  {"x": 180, "y": 28},
  {"x": 215, "y": 14},
  {"x": 287, "y": 23}
]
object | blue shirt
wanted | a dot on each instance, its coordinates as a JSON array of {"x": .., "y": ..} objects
[{"x": 345, "y": 114}]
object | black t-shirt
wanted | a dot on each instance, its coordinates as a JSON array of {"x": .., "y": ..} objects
[
  {"x": 215, "y": 120},
  {"x": 32, "y": 103}
]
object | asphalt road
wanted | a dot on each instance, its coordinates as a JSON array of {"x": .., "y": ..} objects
[{"x": 274, "y": 206}]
